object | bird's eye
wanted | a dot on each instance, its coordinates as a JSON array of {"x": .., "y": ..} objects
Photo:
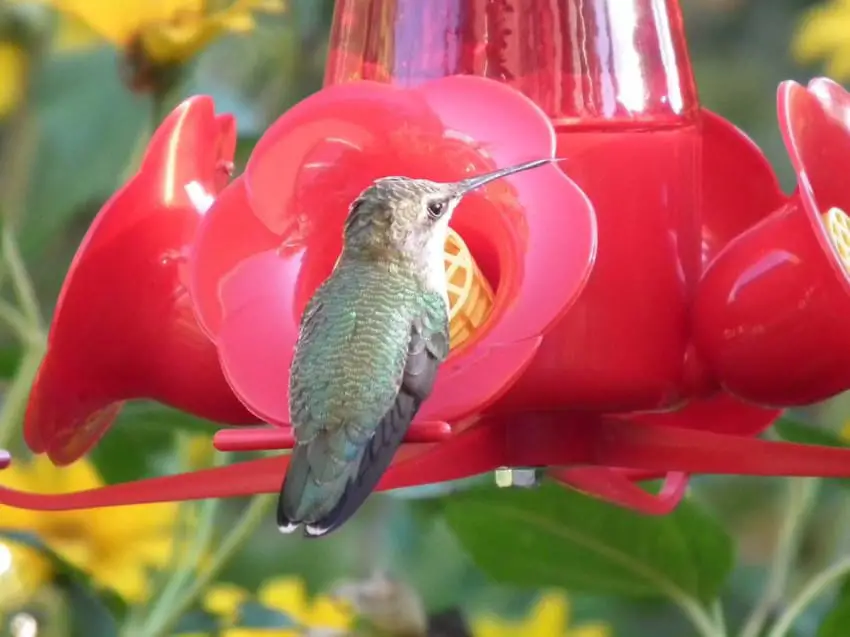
[{"x": 436, "y": 209}]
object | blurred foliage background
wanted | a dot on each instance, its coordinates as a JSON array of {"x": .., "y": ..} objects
[{"x": 70, "y": 127}]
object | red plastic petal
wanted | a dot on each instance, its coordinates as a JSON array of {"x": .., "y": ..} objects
[
  {"x": 782, "y": 282},
  {"x": 227, "y": 235},
  {"x": 832, "y": 97},
  {"x": 258, "y": 331},
  {"x": 547, "y": 234},
  {"x": 556, "y": 238},
  {"x": 123, "y": 326},
  {"x": 475, "y": 379},
  {"x": 739, "y": 185},
  {"x": 306, "y": 140}
]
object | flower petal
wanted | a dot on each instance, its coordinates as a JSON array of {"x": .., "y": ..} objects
[
  {"x": 553, "y": 229},
  {"x": 13, "y": 68},
  {"x": 259, "y": 330},
  {"x": 544, "y": 228},
  {"x": 476, "y": 378},
  {"x": 227, "y": 235},
  {"x": 303, "y": 144},
  {"x": 286, "y": 594},
  {"x": 316, "y": 158},
  {"x": 224, "y": 600},
  {"x": 832, "y": 97},
  {"x": 25, "y": 570},
  {"x": 124, "y": 326},
  {"x": 299, "y": 186},
  {"x": 739, "y": 186}
]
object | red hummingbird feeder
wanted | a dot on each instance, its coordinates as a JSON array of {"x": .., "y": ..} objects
[{"x": 643, "y": 309}]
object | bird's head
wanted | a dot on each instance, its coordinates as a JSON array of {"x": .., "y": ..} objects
[{"x": 407, "y": 220}]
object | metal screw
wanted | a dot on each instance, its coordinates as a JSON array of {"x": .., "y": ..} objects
[{"x": 511, "y": 477}]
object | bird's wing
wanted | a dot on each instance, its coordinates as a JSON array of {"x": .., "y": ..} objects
[{"x": 428, "y": 347}]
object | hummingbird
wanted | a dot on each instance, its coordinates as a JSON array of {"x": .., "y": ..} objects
[{"x": 370, "y": 342}]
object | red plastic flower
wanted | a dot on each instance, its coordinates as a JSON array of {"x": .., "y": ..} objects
[
  {"x": 274, "y": 235},
  {"x": 124, "y": 325},
  {"x": 771, "y": 310}
]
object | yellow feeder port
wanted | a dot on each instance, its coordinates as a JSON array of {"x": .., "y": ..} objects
[
  {"x": 838, "y": 228},
  {"x": 470, "y": 295}
]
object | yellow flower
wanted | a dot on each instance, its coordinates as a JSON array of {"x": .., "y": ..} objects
[
  {"x": 23, "y": 570},
  {"x": 116, "y": 546},
  {"x": 168, "y": 31},
  {"x": 824, "y": 34},
  {"x": 13, "y": 68},
  {"x": 72, "y": 34},
  {"x": 286, "y": 595},
  {"x": 550, "y": 617}
]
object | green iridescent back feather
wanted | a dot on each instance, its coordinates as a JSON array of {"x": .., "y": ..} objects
[{"x": 347, "y": 372}]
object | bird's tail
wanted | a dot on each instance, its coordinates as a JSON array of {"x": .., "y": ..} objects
[
  {"x": 306, "y": 496},
  {"x": 325, "y": 506}
]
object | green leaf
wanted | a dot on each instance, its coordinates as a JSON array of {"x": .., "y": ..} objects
[
  {"x": 838, "y": 618},
  {"x": 552, "y": 536},
  {"x": 197, "y": 622},
  {"x": 10, "y": 357},
  {"x": 794, "y": 431},
  {"x": 90, "y": 617},
  {"x": 93, "y": 613},
  {"x": 89, "y": 125},
  {"x": 153, "y": 415},
  {"x": 244, "y": 147},
  {"x": 130, "y": 451},
  {"x": 142, "y": 441}
]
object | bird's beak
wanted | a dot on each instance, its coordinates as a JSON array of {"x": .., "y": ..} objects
[{"x": 467, "y": 185}]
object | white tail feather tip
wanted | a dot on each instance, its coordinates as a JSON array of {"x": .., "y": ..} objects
[
  {"x": 315, "y": 531},
  {"x": 286, "y": 529}
]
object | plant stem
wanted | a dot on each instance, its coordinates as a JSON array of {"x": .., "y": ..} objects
[
  {"x": 184, "y": 557},
  {"x": 802, "y": 494},
  {"x": 163, "y": 621},
  {"x": 15, "y": 400},
  {"x": 189, "y": 562},
  {"x": 26, "y": 322},
  {"x": 719, "y": 617},
  {"x": 21, "y": 282},
  {"x": 16, "y": 163},
  {"x": 706, "y": 625},
  {"x": 811, "y": 591},
  {"x": 17, "y": 322}
]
